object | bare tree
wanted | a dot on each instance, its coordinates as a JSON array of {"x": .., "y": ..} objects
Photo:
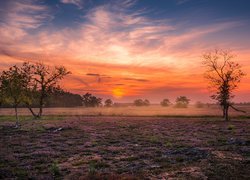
[
  {"x": 43, "y": 79},
  {"x": 224, "y": 75}
]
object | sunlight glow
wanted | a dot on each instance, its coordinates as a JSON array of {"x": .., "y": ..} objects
[{"x": 118, "y": 92}]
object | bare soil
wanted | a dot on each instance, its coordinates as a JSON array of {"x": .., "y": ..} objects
[{"x": 80, "y": 147}]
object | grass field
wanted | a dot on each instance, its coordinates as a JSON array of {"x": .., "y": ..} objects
[{"x": 125, "y": 147}]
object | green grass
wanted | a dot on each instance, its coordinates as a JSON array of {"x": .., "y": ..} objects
[
  {"x": 54, "y": 169},
  {"x": 231, "y": 127}
]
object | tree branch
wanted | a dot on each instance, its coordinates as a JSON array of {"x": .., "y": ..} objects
[{"x": 237, "y": 109}]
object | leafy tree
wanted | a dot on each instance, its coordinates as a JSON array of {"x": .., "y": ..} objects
[
  {"x": 43, "y": 80},
  {"x": 140, "y": 102},
  {"x": 223, "y": 75},
  {"x": 91, "y": 101},
  {"x": 165, "y": 102},
  {"x": 108, "y": 103},
  {"x": 182, "y": 102},
  {"x": 146, "y": 102},
  {"x": 12, "y": 88}
]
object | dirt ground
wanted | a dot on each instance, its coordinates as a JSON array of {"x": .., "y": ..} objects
[{"x": 78, "y": 147}]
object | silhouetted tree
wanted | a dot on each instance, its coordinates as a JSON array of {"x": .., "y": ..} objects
[
  {"x": 199, "y": 104},
  {"x": 108, "y": 103},
  {"x": 91, "y": 101},
  {"x": 182, "y": 102},
  {"x": 224, "y": 75},
  {"x": 146, "y": 102},
  {"x": 43, "y": 79},
  {"x": 140, "y": 102},
  {"x": 12, "y": 88},
  {"x": 165, "y": 102},
  {"x": 60, "y": 98}
]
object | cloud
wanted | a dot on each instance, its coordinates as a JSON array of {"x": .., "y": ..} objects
[
  {"x": 18, "y": 19},
  {"x": 134, "y": 79},
  {"x": 78, "y": 3},
  {"x": 91, "y": 74}
]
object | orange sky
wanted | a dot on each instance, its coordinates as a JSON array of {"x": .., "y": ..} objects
[{"x": 141, "y": 58}]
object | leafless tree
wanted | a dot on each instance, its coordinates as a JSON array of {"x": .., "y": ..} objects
[
  {"x": 223, "y": 75},
  {"x": 43, "y": 79}
]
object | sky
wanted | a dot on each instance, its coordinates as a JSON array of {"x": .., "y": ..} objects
[{"x": 128, "y": 49}]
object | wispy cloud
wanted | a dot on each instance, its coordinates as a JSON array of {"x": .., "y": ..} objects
[
  {"x": 18, "y": 18},
  {"x": 78, "y": 3},
  {"x": 135, "y": 79}
]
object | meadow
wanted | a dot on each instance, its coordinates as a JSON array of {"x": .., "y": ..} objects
[{"x": 125, "y": 143}]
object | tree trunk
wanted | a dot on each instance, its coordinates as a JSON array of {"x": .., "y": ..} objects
[
  {"x": 32, "y": 112},
  {"x": 40, "y": 109},
  {"x": 226, "y": 114},
  {"x": 17, "y": 118},
  {"x": 41, "y": 103}
]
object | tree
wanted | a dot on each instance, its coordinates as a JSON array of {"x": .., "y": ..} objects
[
  {"x": 91, "y": 101},
  {"x": 199, "y": 104},
  {"x": 146, "y": 102},
  {"x": 140, "y": 102},
  {"x": 42, "y": 80},
  {"x": 165, "y": 102},
  {"x": 223, "y": 75},
  {"x": 108, "y": 103},
  {"x": 12, "y": 88},
  {"x": 61, "y": 98},
  {"x": 182, "y": 102}
]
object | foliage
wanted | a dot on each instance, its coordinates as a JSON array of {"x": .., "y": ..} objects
[
  {"x": 140, "y": 102},
  {"x": 13, "y": 83},
  {"x": 223, "y": 75},
  {"x": 91, "y": 101},
  {"x": 182, "y": 102},
  {"x": 165, "y": 102},
  {"x": 108, "y": 103}
]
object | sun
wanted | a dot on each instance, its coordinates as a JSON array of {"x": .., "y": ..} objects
[{"x": 118, "y": 92}]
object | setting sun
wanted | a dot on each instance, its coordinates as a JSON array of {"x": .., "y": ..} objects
[{"x": 118, "y": 92}]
